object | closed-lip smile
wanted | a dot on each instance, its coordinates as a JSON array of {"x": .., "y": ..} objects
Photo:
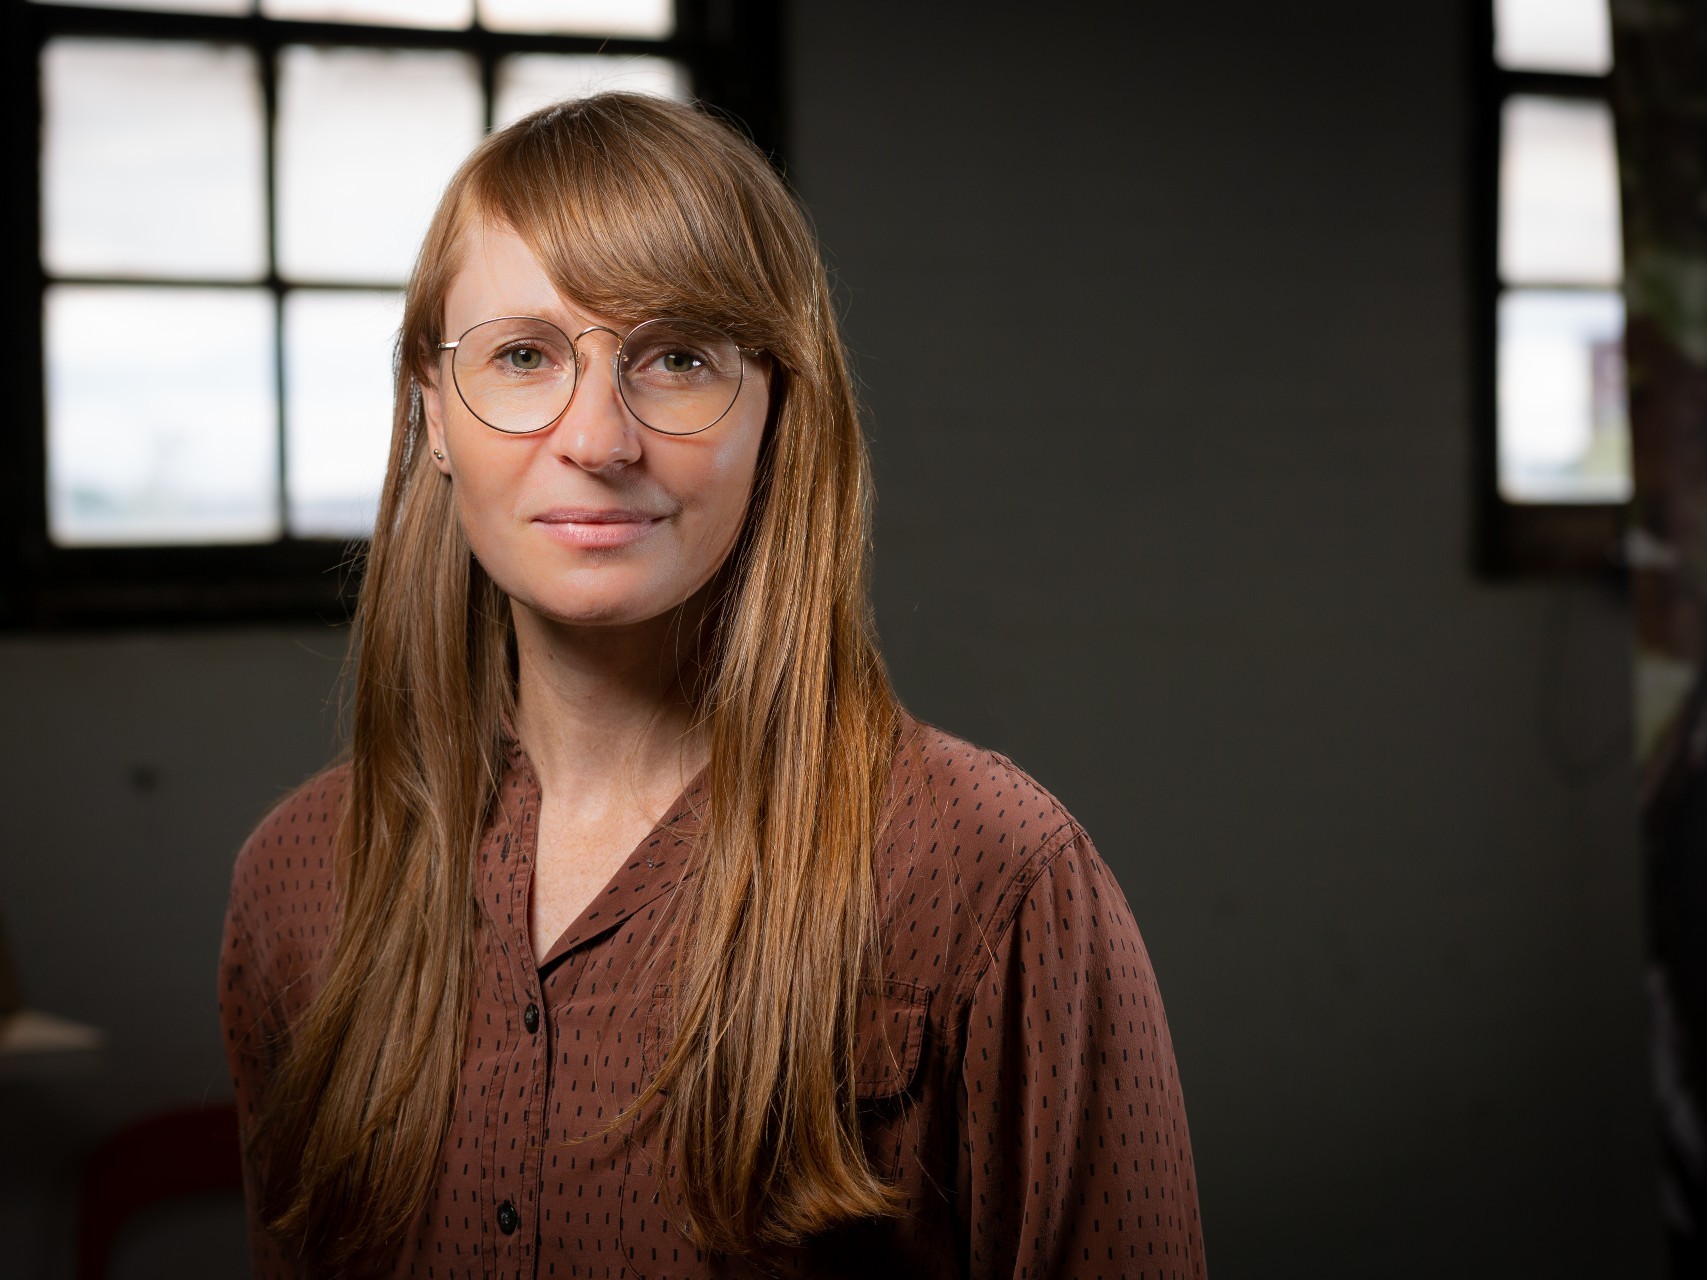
[{"x": 597, "y": 526}]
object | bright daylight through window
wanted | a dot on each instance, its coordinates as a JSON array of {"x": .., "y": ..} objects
[
  {"x": 1562, "y": 423},
  {"x": 226, "y": 224}
]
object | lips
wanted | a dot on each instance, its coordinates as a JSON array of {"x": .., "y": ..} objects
[{"x": 597, "y": 527}]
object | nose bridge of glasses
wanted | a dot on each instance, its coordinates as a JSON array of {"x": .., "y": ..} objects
[
  {"x": 588, "y": 359},
  {"x": 615, "y": 344},
  {"x": 590, "y": 440}
]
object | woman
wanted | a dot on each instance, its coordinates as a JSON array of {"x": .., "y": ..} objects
[{"x": 642, "y": 933}]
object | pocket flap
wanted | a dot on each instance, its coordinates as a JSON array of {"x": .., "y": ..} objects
[{"x": 890, "y": 1038}]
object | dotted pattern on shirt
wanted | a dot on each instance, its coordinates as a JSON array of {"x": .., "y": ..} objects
[{"x": 1016, "y": 1079}]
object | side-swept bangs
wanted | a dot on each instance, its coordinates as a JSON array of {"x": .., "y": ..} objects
[{"x": 636, "y": 207}]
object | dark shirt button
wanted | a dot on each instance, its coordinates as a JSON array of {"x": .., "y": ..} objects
[
  {"x": 508, "y": 1218},
  {"x": 530, "y": 1017}
]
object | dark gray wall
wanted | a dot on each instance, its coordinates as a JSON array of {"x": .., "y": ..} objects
[
  {"x": 1160, "y": 312},
  {"x": 1161, "y": 326},
  {"x": 131, "y": 768}
]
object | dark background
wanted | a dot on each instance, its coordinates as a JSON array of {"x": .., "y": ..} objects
[{"x": 1162, "y": 316}]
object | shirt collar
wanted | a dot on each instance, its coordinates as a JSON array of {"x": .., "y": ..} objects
[{"x": 656, "y": 866}]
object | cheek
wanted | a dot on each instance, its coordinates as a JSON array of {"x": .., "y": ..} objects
[
  {"x": 487, "y": 494},
  {"x": 728, "y": 491}
]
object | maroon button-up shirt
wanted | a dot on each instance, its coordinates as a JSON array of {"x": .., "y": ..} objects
[{"x": 1017, "y": 1082}]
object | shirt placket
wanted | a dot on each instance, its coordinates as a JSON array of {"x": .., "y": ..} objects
[
  {"x": 515, "y": 1110},
  {"x": 519, "y": 1095}
]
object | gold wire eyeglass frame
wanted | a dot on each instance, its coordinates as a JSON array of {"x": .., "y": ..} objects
[{"x": 746, "y": 353}]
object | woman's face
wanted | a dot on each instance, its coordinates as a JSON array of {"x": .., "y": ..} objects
[{"x": 595, "y": 520}]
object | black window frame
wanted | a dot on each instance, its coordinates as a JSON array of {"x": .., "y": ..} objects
[
  {"x": 1518, "y": 539},
  {"x": 731, "y": 49}
]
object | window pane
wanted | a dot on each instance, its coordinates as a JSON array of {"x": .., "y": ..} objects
[
  {"x": 165, "y": 6},
  {"x": 1553, "y": 35},
  {"x": 653, "y": 18},
  {"x": 152, "y": 161},
  {"x": 450, "y": 14},
  {"x": 367, "y": 141},
  {"x": 1564, "y": 432},
  {"x": 530, "y": 80},
  {"x": 338, "y": 349},
  {"x": 161, "y": 418},
  {"x": 1559, "y": 220}
]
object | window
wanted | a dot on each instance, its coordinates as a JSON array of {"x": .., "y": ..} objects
[
  {"x": 227, "y": 198},
  {"x": 1555, "y": 464}
]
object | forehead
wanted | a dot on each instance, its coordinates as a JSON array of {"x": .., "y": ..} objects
[{"x": 498, "y": 275}]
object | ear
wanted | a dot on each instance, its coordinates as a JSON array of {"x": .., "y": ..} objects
[{"x": 432, "y": 413}]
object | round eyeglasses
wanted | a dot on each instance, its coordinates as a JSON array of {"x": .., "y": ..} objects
[{"x": 517, "y": 373}]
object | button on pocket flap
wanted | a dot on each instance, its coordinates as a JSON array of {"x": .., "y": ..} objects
[{"x": 890, "y": 1038}]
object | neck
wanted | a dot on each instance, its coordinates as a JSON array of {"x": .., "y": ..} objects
[{"x": 600, "y": 709}]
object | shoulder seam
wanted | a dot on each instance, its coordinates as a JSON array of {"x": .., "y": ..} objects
[{"x": 1029, "y": 873}]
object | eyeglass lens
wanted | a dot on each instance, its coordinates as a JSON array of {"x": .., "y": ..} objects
[{"x": 516, "y": 374}]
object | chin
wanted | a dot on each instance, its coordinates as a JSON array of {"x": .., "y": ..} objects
[
  {"x": 593, "y": 608},
  {"x": 618, "y": 591}
]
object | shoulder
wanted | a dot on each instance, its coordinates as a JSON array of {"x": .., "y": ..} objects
[
  {"x": 968, "y": 836},
  {"x": 971, "y": 799},
  {"x": 283, "y": 886}
]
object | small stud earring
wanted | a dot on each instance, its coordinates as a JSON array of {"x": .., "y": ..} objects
[{"x": 439, "y": 454}]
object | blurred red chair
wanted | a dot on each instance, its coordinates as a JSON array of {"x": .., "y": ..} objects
[{"x": 159, "y": 1158}]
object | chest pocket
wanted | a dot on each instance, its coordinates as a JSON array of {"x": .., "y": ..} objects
[
  {"x": 889, "y": 1044},
  {"x": 890, "y": 1038}
]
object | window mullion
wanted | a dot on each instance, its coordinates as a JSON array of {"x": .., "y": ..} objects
[
  {"x": 488, "y": 59},
  {"x": 266, "y": 62}
]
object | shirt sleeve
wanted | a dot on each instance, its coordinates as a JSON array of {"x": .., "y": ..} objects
[
  {"x": 247, "y": 1018},
  {"x": 1076, "y": 1159}
]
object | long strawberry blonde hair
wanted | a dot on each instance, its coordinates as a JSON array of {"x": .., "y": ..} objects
[{"x": 635, "y": 207}]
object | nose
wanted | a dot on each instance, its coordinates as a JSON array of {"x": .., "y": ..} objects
[{"x": 596, "y": 431}]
